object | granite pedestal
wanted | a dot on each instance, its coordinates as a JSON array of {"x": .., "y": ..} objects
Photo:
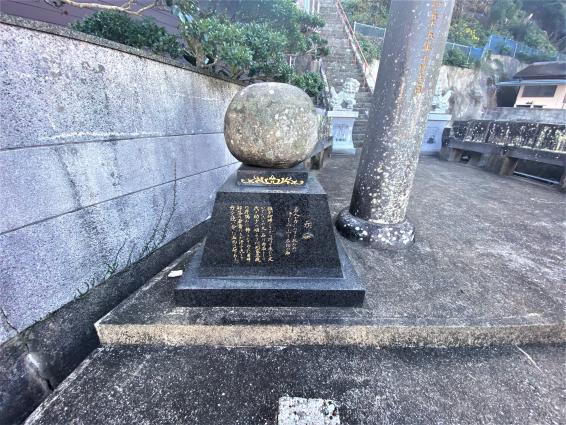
[
  {"x": 342, "y": 127},
  {"x": 432, "y": 139},
  {"x": 271, "y": 243}
]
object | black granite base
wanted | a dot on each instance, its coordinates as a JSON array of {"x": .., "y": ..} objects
[
  {"x": 195, "y": 291},
  {"x": 275, "y": 232},
  {"x": 248, "y": 175}
]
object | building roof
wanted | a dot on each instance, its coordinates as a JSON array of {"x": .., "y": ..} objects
[
  {"x": 541, "y": 82},
  {"x": 542, "y": 71}
]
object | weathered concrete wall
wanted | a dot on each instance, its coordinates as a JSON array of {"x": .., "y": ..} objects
[
  {"x": 473, "y": 90},
  {"x": 105, "y": 155}
]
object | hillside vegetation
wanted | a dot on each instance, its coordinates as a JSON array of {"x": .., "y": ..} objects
[{"x": 540, "y": 24}]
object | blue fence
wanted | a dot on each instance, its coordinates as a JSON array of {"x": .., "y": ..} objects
[
  {"x": 472, "y": 53},
  {"x": 509, "y": 47},
  {"x": 495, "y": 43}
]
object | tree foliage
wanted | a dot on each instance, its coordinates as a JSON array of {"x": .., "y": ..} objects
[
  {"x": 119, "y": 27},
  {"x": 510, "y": 19},
  {"x": 310, "y": 82},
  {"x": 537, "y": 23},
  {"x": 550, "y": 15},
  {"x": 248, "y": 39},
  {"x": 467, "y": 31},
  {"x": 251, "y": 38},
  {"x": 371, "y": 48},
  {"x": 283, "y": 16},
  {"x": 369, "y": 12},
  {"x": 456, "y": 57}
]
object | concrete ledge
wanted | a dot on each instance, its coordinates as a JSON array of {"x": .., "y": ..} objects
[
  {"x": 150, "y": 317},
  {"x": 517, "y": 152},
  {"x": 380, "y": 336},
  {"x": 486, "y": 269}
]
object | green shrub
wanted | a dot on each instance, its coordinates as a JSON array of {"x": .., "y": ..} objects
[
  {"x": 530, "y": 58},
  {"x": 455, "y": 57},
  {"x": 254, "y": 40},
  {"x": 537, "y": 38},
  {"x": 298, "y": 27},
  {"x": 119, "y": 27},
  {"x": 252, "y": 43},
  {"x": 369, "y": 12},
  {"x": 504, "y": 49},
  {"x": 509, "y": 19},
  {"x": 371, "y": 48},
  {"x": 467, "y": 31},
  {"x": 310, "y": 82}
]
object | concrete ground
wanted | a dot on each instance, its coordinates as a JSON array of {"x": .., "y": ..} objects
[
  {"x": 487, "y": 268},
  {"x": 230, "y": 386}
]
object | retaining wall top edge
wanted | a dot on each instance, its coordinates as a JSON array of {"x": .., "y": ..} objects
[{"x": 87, "y": 38}]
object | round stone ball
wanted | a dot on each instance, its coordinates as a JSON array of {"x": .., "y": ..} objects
[{"x": 271, "y": 125}]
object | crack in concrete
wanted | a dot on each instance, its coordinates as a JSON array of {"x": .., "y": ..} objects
[
  {"x": 7, "y": 322},
  {"x": 34, "y": 364}
]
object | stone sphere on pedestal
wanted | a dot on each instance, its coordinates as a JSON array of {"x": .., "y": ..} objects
[{"x": 271, "y": 125}]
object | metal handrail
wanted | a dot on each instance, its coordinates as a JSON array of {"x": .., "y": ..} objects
[
  {"x": 359, "y": 54},
  {"x": 326, "y": 91}
]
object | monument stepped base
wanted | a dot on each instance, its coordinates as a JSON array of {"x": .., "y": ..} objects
[{"x": 193, "y": 290}]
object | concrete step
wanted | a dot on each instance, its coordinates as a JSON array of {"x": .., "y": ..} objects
[
  {"x": 342, "y": 71},
  {"x": 505, "y": 305},
  {"x": 344, "y": 75},
  {"x": 342, "y": 50},
  {"x": 244, "y": 385},
  {"x": 470, "y": 309},
  {"x": 333, "y": 29}
]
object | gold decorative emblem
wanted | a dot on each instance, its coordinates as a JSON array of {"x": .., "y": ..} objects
[{"x": 272, "y": 181}]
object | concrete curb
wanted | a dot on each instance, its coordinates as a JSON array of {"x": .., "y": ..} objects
[
  {"x": 121, "y": 327},
  {"x": 330, "y": 335}
]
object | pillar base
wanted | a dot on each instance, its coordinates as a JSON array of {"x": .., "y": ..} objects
[{"x": 380, "y": 236}]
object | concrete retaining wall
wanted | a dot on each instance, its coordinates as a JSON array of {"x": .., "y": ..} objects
[
  {"x": 473, "y": 90},
  {"x": 106, "y": 154}
]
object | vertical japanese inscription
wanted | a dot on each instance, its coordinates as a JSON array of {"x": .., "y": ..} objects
[
  {"x": 291, "y": 229},
  {"x": 429, "y": 39},
  {"x": 251, "y": 234}
]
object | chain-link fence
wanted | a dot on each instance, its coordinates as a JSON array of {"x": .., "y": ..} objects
[{"x": 495, "y": 43}]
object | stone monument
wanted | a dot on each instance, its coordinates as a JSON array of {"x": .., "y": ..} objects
[
  {"x": 271, "y": 239},
  {"x": 437, "y": 120},
  {"x": 343, "y": 116}
]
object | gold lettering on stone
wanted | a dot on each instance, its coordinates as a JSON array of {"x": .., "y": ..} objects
[
  {"x": 436, "y": 4},
  {"x": 272, "y": 181},
  {"x": 291, "y": 231},
  {"x": 251, "y": 234}
]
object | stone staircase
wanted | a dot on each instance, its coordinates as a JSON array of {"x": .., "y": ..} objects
[{"x": 341, "y": 64}]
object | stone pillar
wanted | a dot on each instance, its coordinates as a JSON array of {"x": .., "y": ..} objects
[{"x": 409, "y": 66}]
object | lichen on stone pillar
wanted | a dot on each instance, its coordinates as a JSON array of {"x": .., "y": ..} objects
[{"x": 410, "y": 63}]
